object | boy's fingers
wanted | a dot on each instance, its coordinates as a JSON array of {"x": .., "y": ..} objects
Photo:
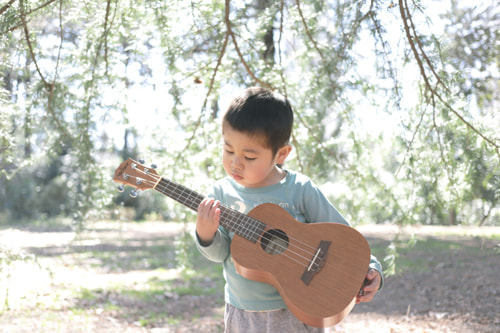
[
  {"x": 213, "y": 208},
  {"x": 370, "y": 287},
  {"x": 210, "y": 208},
  {"x": 207, "y": 204}
]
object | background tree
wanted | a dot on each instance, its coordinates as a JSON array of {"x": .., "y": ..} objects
[{"x": 395, "y": 110}]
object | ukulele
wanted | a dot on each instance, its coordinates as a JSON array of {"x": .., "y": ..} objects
[{"x": 318, "y": 268}]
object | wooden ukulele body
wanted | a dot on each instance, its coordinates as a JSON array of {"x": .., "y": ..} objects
[{"x": 331, "y": 292}]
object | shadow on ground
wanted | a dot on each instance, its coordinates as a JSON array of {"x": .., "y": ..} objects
[{"x": 140, "y": 277}]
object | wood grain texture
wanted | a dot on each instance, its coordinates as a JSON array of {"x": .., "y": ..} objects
[{"x": 332, "y": 292}]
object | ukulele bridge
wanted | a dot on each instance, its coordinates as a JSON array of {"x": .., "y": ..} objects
[{"x": 316, "y": 263}]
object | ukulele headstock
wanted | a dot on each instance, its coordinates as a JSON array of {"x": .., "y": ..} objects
[{"x": 136, "y": 175}]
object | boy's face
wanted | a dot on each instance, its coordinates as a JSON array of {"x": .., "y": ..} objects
[{"x": 248, "y": 161}]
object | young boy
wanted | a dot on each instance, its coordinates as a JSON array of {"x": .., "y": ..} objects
[{"x": 256, "y": 130}]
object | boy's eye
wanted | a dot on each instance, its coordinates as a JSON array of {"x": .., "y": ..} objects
[
  {"x": 228, "y": 151},
  {"x": 250, "y": 158}
]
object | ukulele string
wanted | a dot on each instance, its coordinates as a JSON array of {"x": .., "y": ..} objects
[
  {"x": 244, "y": 220},
  {"x": 280, "y": 247},
  {"x": 292, "y": 242},
  {"x": 245, "y": 228}
]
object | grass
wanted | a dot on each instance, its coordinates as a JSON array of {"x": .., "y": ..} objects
[
  {"x": 144, "y": 301},
  {"x": 423, "y": 249},
  {"x": 144, "y": 279},
  {"x": 148, "y": 279}
]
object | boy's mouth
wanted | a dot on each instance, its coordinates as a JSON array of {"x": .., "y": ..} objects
[{"x": 237, "y": 177}]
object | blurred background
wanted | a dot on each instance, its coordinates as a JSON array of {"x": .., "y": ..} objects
[
  {"x": 396, "y": 103},
  {"x": 396, "y": 119}
]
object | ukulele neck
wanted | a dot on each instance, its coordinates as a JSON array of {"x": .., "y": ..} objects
[{"x": 241, "y": 224}]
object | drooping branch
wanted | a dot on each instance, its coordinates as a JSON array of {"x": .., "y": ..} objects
[
  {"x": 49, "y": 86},
  {"x": 240, "y": 55},
  {"x": 309, "y": 35},
  {"x": 229, "y": 34},
  {"x": 313, "y": 41},
  {"x": 107, "y": 27},
  {"x": 421, "y": 48},
  {"x": 379, "y": 35},
  {"x": 6, "y": 6},
  {"x": 30, "y": 46},
  {"x": 413, "y": 40},
  {"x": 211, "y": 85},
  {"x": 50, "y": 105},
  {"x": 26, "y": 13},
  {"x": 315, "y": 44}
]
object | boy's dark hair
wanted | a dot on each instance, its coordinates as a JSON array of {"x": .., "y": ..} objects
[{"x": 260, "y": 111}]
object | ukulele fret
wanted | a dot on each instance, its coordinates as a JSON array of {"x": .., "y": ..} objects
[
  {"x": 231, "y": 219},
  {"x": 247, "y": 227},
  {"x": 241, "y": 224},
  {"x": 227, "y": 218},
  {"x": 181, "y": 194}
]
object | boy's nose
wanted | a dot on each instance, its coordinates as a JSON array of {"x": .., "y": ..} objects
[{"x": 236, "y": 163}]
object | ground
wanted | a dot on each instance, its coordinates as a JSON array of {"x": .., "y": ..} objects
[{"x": 130, "y": 277}]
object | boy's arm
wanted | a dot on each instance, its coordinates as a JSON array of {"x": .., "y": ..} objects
[
  {"x": 376, "y": 265},
  {"x": 211, "y": 241},
  {"x": 217, "y": 250}
]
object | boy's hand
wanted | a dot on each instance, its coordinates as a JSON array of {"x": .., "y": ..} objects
[
  {"x": 207, "y": 221},
  {"x": 370, "y": 287}
]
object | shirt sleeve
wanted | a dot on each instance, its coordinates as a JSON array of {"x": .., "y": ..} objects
[
  {"x": 219, "y": 249},
  {"x": 316, "y": 206},
  {"x": 376, "y": 265}
]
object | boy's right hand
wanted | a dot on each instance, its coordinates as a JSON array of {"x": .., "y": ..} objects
[{"x": 207, "y": 221}]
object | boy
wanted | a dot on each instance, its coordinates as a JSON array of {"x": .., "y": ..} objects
[{"x": 256, "y": 130}]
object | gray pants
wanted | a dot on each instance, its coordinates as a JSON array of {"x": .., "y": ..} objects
[{"x": 277, "y": 321}]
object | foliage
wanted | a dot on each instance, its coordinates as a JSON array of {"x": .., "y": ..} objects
[{"x": 395, "y": 113}]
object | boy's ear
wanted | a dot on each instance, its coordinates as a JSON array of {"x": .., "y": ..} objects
[{"x": 282, "y": 154}]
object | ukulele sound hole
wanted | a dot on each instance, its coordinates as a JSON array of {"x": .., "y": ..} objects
[{"x": 274, "y": 241}]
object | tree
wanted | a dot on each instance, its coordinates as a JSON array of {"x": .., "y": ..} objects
[{"x": 84, "y": 69}]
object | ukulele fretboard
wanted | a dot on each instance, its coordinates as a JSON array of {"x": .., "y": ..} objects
[{"x": 241, "y": 224}]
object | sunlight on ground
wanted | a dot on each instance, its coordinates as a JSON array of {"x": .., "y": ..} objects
[
  {"x": 99, "y": 283},
  {"x": 28, "y": 281}
]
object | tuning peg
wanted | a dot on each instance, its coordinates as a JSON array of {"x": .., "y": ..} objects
[
  {"x": 142, "y": 161},
  {"x": 121, "y": 188},
  {"x": 153, "y": 166},
  {"x": 133, "y": 194}
]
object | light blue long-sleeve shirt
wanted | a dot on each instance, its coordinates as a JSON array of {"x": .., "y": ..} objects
[{"x": 300, "y": 197}]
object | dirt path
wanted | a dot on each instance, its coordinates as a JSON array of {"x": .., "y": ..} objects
[
  {"x": 453, "y": 284},
  {"x": 126, "y": 278}
]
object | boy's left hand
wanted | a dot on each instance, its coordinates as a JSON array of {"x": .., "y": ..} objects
[{"x": 370, "y": 287}]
